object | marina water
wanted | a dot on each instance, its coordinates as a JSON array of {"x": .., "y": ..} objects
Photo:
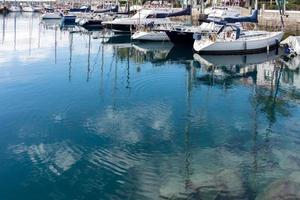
[{"x": 83, "y": 118}]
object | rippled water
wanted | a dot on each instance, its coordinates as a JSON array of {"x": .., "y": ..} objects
[{"x": 86, "y": 118}]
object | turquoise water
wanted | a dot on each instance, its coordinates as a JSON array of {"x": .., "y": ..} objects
[{"x": 82, "y": 117}]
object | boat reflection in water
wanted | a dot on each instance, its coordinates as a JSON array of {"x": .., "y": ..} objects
[
  {"x": 153, "y": 52},
  {"x": 88, "y": 118},
  {"x": 224, "y": 68}
]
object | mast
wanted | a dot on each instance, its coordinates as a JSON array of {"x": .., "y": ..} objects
[
  {"x": 254, "y": 136},
  {"x": 15, "y": 31},
  {"x": 55, "y": 44},
  {"x": 187, "y": 136},
  {"x": 30, "y": 33},
  {"x": 39, "y": 37},
  {"x": 115, "y": 81},
  {"x": 88, "y": 61},
  {"x": 101, "y": 69},
  {"x": 70, "y": 58},
  {"x": 3, "y": 29},
  {"x": 128, "y": 70}
]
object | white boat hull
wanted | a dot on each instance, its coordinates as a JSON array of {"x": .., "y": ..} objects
[
  {"x": 150, "y": 36},
  {"x": 239, "y": 46},
  {"x": 37, "y": 9},
  {"x": 51, "y": 16},
  {"x": 27, "y": 9}
]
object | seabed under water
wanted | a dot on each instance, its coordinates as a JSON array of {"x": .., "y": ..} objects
[{"x": 82, "y": 117}]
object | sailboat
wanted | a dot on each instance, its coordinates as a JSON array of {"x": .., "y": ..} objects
[
  {"x": 183, "y": 34},
  {"x": 158, "y": 33},
  {"x": 232, "y": 40},
  {"x": 51, "y": 15}
]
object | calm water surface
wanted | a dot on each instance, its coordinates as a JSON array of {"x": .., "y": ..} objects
[{"x": 86, "y": 118}]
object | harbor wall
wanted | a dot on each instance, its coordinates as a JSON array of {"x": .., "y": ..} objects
[
  {"x": 267, "y": 19},
  {"x": 270, "y": 19}
]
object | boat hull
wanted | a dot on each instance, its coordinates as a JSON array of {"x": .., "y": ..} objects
[
  {"x": 150, "y": 36},
  {"x": 68, "y": 20},
  {"x": 51, "y": 16},
  {"x": 27, "y": 9},
  {"x": 123, "y": 28},
  {"x": 206, "y": 46},
  {"x": 179, "y": 37},
  {"x": 92, "y": 24}
]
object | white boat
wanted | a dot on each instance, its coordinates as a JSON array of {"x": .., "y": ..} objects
[
  {"x": 150, "y": 36},
  {"x": 54, "y": 15},
  {"x": 142, "y": 17},
  {"x": 218, "y": 13},
  {"x": 27, "y": 9},
  {"x": 231, "y": 40},
  {"x": 183, "y": 34},
  {"x": 37, "y": 9},
  {"x": 14, "y": 8}
]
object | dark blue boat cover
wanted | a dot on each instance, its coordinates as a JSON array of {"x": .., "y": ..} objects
[
  {"x": 186, "y": 11},
  {"x": 252, "y": 18}
]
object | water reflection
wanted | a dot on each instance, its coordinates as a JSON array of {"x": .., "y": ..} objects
[{"x": 83, "y": 117}]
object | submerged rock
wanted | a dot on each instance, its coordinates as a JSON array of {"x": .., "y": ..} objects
[
  {"x": 281, "y": 190},
  {"x": 288, "y": 160},
  {"x": 225, "y": 184},
  {"x": 295, "y": 177}
]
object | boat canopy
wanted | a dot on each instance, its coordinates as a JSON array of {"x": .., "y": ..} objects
[
  {"x": 81, "y": 9},
  {"x": 252, "y": 18},
  {"x": 233, "y": 28},
  {"x": 112, "y": 9},
  {"x": 186, "y": 11}
]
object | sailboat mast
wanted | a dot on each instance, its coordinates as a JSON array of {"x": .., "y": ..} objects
[
  {"x": 71, "y": 52},
  {"x": 55, "y": 45},
  {"x": 15, "y": 31},
  {"x": 89, "y": 54},
  {"x": 3, "y": 29}
]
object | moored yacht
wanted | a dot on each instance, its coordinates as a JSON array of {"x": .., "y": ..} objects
[
  {"x": 93, "y": 22},
  {"x": 51, "y": 15},
  {"x": 232, "y": 40},
  {"x": 145, "y": 17},
  {"x": 27, "y": 8},
  {"x": 183, "y": 34}
]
